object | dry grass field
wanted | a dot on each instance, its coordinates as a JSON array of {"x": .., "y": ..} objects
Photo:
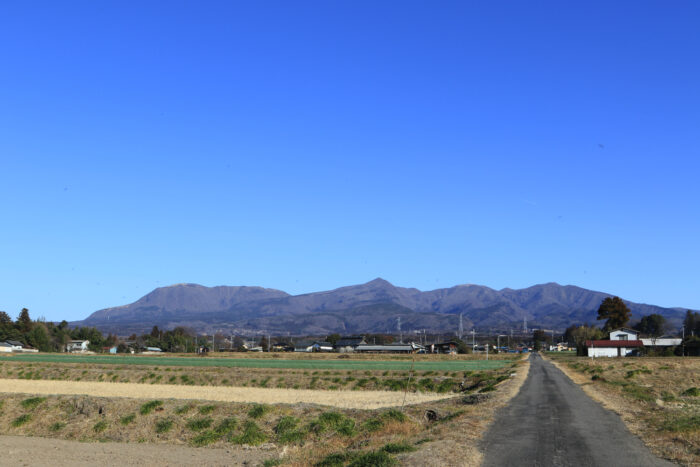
[
  {"x": 299, "y": 431},
  {"x": 658, "y": 398}
]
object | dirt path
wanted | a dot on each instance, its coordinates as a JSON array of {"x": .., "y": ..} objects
[
  {"x": 553, "y": 422},
  {"x": 46, "y": 452},
  {"x": 341, "y": 399}
]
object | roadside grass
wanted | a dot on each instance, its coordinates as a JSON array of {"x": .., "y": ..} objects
[
  {"x": 164, "y": 425},
  {"x": 658, "y": 394},
  {"x": 149, "y": 407},
  {"x": 32, "y": 402},
  {"x": 21, "y": 420},
  {"x": 126, "y": 419},
  {"x": 259, "y": 410}
]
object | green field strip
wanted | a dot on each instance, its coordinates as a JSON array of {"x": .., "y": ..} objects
[{"x": 404, "y": 365}]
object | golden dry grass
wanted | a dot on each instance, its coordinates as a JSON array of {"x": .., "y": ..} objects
[{"x": 368, "y": 400}]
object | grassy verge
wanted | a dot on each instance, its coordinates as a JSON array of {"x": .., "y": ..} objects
[{"x": 657, "y": 397}]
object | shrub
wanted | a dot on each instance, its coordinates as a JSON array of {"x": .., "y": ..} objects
[
  {"x": 226, "y": 426},
  {"x": 183, "y": 409},
  {"x": 693, "y": 392},
  {"x": 21, "y": 420},
  {"x": 287, "y": 431},
  {"x": 251, "y": 435},
  {"x": 396, "y": 448},
  {"x": 126, "y": 419},
  {"x": 336, "y": 421},
  {"x": 32, "y": 402},
  {"x": 148, "y": 407},
  {"x": 100, "y": 426},
  {"x": 58, "y": 426},
  {"x": 205, "y": 438},
  {"x": 373, "y": 424},
  {"x": 199, "y": 424},
  {"x": 258, "y": 410},
  {"x": 206, "y": 409},
  {"x": 163, "y": 426},
  {"x": 396, "y": 415}
]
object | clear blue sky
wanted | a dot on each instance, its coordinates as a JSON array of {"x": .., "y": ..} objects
[{"x": 309, "y": 145}]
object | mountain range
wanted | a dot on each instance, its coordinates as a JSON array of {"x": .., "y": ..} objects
[{"x": 371, "y": 307}]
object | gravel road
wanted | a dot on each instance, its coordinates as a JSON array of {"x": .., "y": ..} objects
[{"x": 552, "y": 422}]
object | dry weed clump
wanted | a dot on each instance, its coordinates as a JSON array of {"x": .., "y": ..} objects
[{"x": 653, "y": 395}]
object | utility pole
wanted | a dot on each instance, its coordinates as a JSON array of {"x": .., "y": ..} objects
[
  {"x": 461, "y": 329},
  {"x": 398, "y": 325},
  {"x": 472, "y": 339},
  {"x": 683, "y": 339}
]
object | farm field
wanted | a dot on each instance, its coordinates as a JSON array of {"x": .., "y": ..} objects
[
  {"x": 310, "y": 362},
  {"x": 657, "y": 397},
  {"x": 333, "y": 417},
  {"x": 363, "y": 376}
]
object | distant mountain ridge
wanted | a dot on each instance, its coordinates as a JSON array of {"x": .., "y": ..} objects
[{"x": 370, "y": 307}]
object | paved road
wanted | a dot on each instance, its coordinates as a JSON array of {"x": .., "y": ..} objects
[{"x": 553, "y": 422}]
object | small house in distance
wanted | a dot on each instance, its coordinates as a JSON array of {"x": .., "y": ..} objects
[
  {"x": 349, "y": 343},
  {"x": 622, "y": 343},
  {"x": 77, "y": 345},
  {"x": 449, "y": 347},
  {"x": 5, "y": 347}
]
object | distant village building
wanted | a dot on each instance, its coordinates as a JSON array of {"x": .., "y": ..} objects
[
  {"x": 5, "y": 347},
  {"x": 622, "y": 343},
  {"x": 322, "y": 346},
  {"x": 389, "y": 348},
  {"x": 663, "y": 341},
  {"x": 349, "y": 343},
  {"x": 79, "y": 345},
  {"x": 449, "y": 347}
]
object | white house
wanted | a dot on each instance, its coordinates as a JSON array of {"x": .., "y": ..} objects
[
  {"x": 624, "y": 334},
  {"x": 77, "y": 346},
  {"x": 663, "y": 341},
  {"x": 622, "y": 343},
  {"x": 15, "y": 346},
  {"x": 5, "y": 347}
]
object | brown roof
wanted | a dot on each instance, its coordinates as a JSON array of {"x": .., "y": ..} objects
[{"x": 609, "y": 343}]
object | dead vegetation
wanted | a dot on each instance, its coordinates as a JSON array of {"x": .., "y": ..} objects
[
  {"x": 656, "y": 397},
  {"x": 299, "y": 433}
]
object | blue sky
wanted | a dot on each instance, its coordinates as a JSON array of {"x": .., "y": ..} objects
[{"x": 309, "y": 145}]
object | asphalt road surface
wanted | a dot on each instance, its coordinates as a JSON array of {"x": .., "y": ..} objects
[{"x": 553, "y": 422}]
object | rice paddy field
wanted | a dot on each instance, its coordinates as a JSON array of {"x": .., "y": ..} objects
[{"x": 327, "y": 410}]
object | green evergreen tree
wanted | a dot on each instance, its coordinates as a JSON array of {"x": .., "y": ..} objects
[
  {"x": 24, "y": 322},
  {"x": 615, "y": 312}
]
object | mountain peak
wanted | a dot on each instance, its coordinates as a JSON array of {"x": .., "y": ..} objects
[{"x": 379, "y": 282}]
